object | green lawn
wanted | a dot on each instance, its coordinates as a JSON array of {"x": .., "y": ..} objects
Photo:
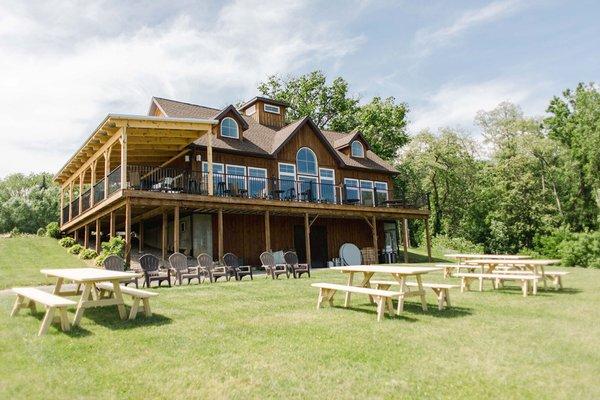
[
  {"x": 265, "y": 339},
  {"x": 21, "y": 259}
]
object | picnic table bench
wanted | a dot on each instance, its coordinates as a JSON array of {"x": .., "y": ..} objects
[
  {"x": 27, "y": 297},
  {"x": 555, "y": 276},
  {"x": 383, "y": 298},
  {"x": 468, "y": 278},
  {"x": 441, "y": 290},
  {"x": 136, "y": 296}
]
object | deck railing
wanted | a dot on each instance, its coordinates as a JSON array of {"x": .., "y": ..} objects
[
  {"x": 114, "y": 180},
  {"x": 99, "y": 191},
  {"x": 65, "y": 214},
  {"x": 85, "y": 200}
]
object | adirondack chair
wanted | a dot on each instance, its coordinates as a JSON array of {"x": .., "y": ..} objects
[
  {"x": 208, "y": 267},
  {"x": 291, "y": 259},
  {"x": 272, "y": 269},
  {"x": 179, "y": 267},
  {"x": 116, "y": 263},
  {"x": 150, "y": 265},
  {"x": 233, "y": 264}
]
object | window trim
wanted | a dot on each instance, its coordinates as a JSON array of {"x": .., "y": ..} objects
[
  {"x": 237, "y": 128},
  {"x": 356, "y": 188},
  {"x": 316, "y": 162},
  {"x": 362, "y": 149},
  {"x": 368, "y": 190},
  {"x": 243, "y": 176},
  {"x": 288, "y": 174},
  {"x": 386, "y": 188},
  {"x": 248, "y": 178},
  {"x": 214, "y": 165},
  {"x": 278, "y": 112},
  {"x": 328, "y": 180}
]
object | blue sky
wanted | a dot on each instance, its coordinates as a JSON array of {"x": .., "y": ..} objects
[{"x": 64, "y": 66}]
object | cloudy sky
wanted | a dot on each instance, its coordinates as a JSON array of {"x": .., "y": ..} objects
[{"x": 65, "y": 65}]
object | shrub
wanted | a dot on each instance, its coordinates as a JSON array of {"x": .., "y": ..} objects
[
  {"x": 88, "y": 254},
  {"x": 459, "y": 244},
  {"x": 75, "y": 249},
  {"x": 53, "y": 230},
  {"x": 66, "y": 242},
  {"x": 115, "y": 246},
  {"x": 548, "y": 245},
  {"x": 14, "y": 232},
  {"x": 41, "y": 232},
  {"x": 583, "y": 250}
]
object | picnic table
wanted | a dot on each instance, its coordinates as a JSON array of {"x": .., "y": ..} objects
[
  {"x": 463, "y": 257},
  {"x": 398, "y": 271},
  {"x": 88, "y": 278},
  {"x": 536, "y": 266}
]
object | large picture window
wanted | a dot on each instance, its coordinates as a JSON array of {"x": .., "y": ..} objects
[
  {"x": 229, "y": 128},
  {"x": 381, "y": 191},
  {"x": 218, "y": 175},
  {"x": 366, "y": 192},
  {"x": 352, "y": 189},
  {"x": 257, "y": 182},
  {"x": 236, "y": 178},
  {"x": 327, "y": 186},
  {"x": 306, "y": 160},
  {"x": 287, "y": 178}
]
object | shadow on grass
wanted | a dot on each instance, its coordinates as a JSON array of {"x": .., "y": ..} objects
[
  {"x": 421, "y": 258},
  {"x": 548, "y": 292},
  {"x": 109, "y": 318},
  {"x": 414, "y": 308}
]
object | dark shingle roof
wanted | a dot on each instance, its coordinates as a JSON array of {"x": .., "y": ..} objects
[{"x": 261, "y": 140}]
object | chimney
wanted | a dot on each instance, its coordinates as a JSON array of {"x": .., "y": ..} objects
[{"x": 266, "y": 111}]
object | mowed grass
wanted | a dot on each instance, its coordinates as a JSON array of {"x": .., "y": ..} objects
[
  {"x": 21, "y": 259},
  {"x": 265, "y": 339}
]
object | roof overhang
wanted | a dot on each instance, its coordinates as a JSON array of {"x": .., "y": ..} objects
[{"x": 149, "y": 138}]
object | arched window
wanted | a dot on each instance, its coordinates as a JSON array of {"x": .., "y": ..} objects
[
  {"x": 306, "y": 160},
  {"x": 357, "y": 149},
  {"x": 229, "y": 128}
]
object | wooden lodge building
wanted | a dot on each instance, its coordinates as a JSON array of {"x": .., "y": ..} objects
[{"x": 196, "y": 179}]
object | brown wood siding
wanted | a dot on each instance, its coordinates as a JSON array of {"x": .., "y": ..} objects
[
  {"x": 269, "y": 119},
  {"x": 307, "y": 138},
  {"x": 244, "y": 235}
]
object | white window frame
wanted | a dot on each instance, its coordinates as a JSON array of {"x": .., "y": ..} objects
[
  {"x": 328, "y": 181},
  {"x": 273, "y": 110},
  {"x": 316, "y": 162},
  {"x": 205, "y": 163},
  {"x": 362, "y": 149},
  {"x": 252, "y": 176},
  {"x": 287, "y": 174},
  {"x": 311, "y": 178},
  {"x": 251, "y": 110},
  {"x": 227, "y": 175},
  {"x": 367, "y": 189},
  {"x": 375, "y": 183},
  {"x": 356, "y": 188},
  {"x": 237, "y": 128}
]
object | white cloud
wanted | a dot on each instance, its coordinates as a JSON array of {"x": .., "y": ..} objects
[
  {"x": 427, "y": 39},
  {"x": 60, "y": 76},
  {"x": 456, "y": 104}
]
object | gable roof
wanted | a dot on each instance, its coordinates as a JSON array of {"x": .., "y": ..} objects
[
  {"x": 264, "y": 100},
  {"x": 348, "y": 138},
  {"x": 232, "y": 109},
  {"x": 262, "y": 141}
]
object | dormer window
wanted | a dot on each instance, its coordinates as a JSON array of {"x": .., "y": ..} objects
[
  {"x": 229, "y": 128},
  {"x": 357, "y": 149},
  {"x": 272, "y": 109}
]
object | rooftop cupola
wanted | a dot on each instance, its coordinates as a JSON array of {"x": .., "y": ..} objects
[{"x": 266, "y": 111}]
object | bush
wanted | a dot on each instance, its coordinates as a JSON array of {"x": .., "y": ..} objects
[
  {"x": 66, "y": 242},
  {"x": 115, "y": 246},
  {"x": 41, "y": 232},
  {"x": 53, "y": 230},
  {"x": 458, "y": 244},
  {"x": 88, "y": 254},
  {"x": 549, "y": 245},
  {"x": 14, "y": 232},
  {"x": 75, "y": 249},
  {"x": 582, "y": 250}
]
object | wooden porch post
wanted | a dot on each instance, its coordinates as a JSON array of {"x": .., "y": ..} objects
[
  {"x": 428, "y": 238},
  {"x": 98, "y": 236},
  {"x": 176, "y": 230},
  {"x": 106, "y": 170},
  {"x": 113, "y": 228},
  {"x": 209, "y": 162},
  {"x": 62, "y": 205},
  {"x": 405, "y": 238},
  {"x": 76, "y": 235},
  {"x": 267, "y": 231},
  {"x": 123, "y": 158},
  {"x": 93, "y": 182},
  {"x": 71, "y": 200},
  {"x": 81, "y": 192},
  {"x": 220, "y": 233},
  {"x": 374, "y": 232},
  {"x": 127, "y": 232},
  {"x": 307, "y": 238},
  {"x": 86, "y": 235},
  {"x": 165, "y": 223},
  {"x": 141, "y": 237}
]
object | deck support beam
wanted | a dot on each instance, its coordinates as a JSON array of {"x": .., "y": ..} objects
[
  {"x": 209, "y": 161},
  {"x": 374, "y": 233},
  {"x": 428, "y": 238},
  {"x": 267, "y": 231},
  {"x": 163, "y": 246},
  {"x": 307, "y": 238},
  {"x": 106, "y": 170},
  {"x": 86, "y": 236},
  {"x": 123, "y": 141},
  {"x": 70, "y": 201},
  {"x": 140, "y": 237},
  {"x": 80, "y": 199},
  {"x": 220, "y": 233},
  {"x": 113, "y": 227},
  {"x": 98, "y": 236},
  {"x": 176, "y": 230},
  {"x": 127, "y": 232},
  {"x": 93, "y": 182},
  {"x": 405, "y": 238}
]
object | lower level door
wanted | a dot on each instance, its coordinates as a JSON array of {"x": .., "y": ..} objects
[{"x": 318, "y": 245}]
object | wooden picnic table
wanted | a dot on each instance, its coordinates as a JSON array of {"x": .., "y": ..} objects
[
  {"x": 462, "y": 257},
  {"x": 536, "y": 266},
  {"x": 398, "y": 271},
  {"x": 88, "y": 277}
]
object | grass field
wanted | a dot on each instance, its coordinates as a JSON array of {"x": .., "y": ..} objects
[{"x": 265, "y": 339}]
